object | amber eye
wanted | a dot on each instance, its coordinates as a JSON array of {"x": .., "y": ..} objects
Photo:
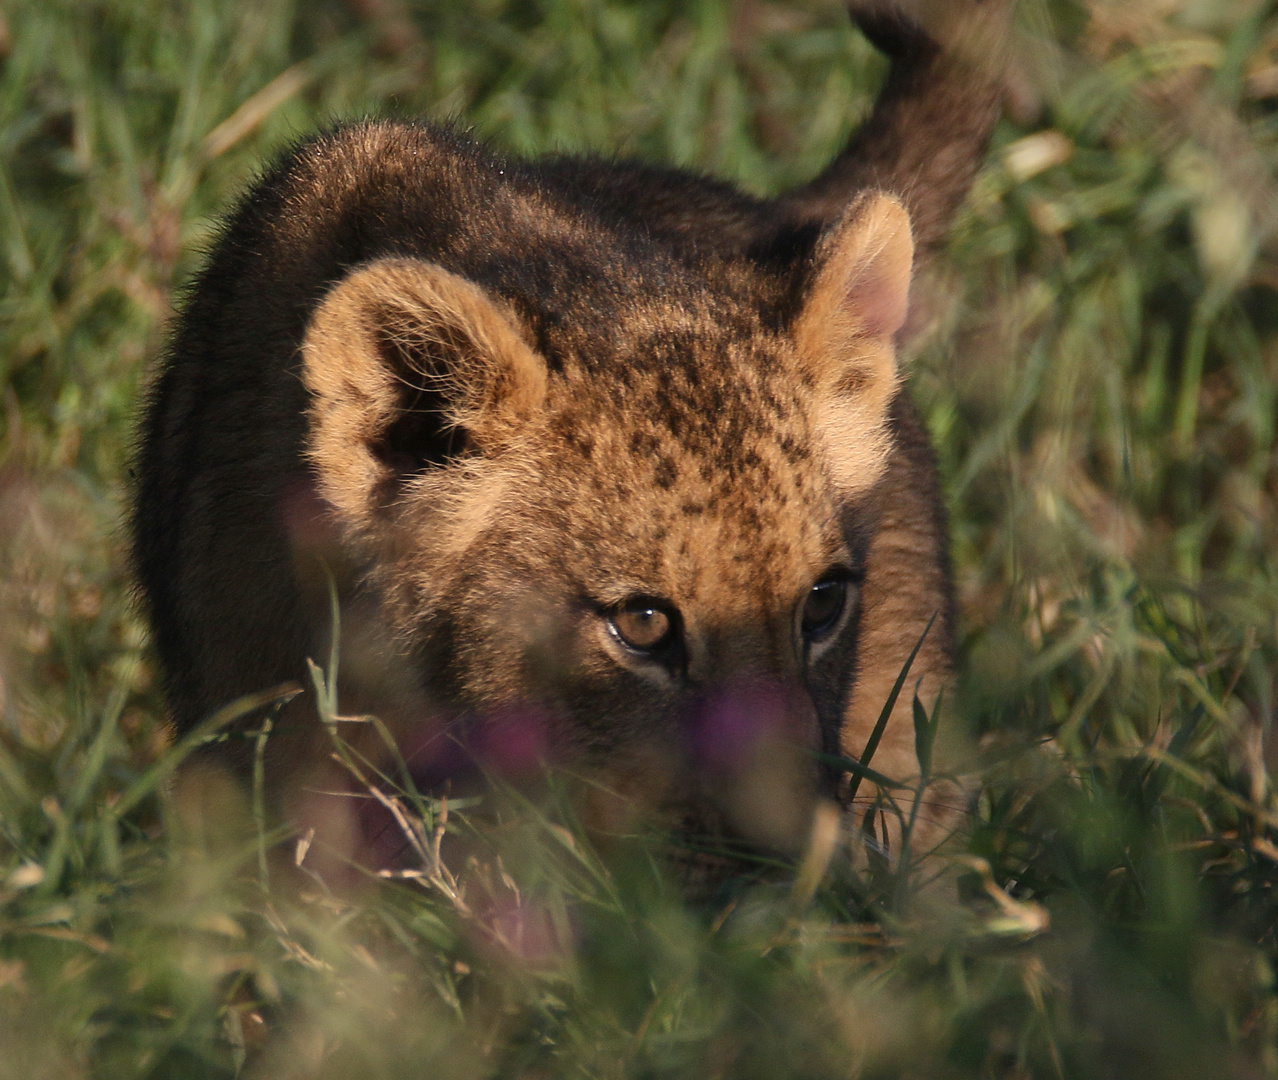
[
  {"x": 824, "y": 605},
  {"x": 642, "y": 626}
]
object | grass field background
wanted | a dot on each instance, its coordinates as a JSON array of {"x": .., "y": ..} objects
[{"x": 1099, "y": 368}]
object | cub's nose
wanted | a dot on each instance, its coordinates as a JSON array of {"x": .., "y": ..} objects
[{"x": 751, "y": 743}]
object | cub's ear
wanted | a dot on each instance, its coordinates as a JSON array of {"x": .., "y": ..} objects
[
  {"x": 844, "y": 335},
  {"x": 410, "y": 366}
]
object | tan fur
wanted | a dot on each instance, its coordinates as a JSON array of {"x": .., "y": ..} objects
[
  {"x": 354, "y": 391},
  {"x": 428, "y": 536},
  {"x": 495, "y": 404},
  {"x": 846, "y": 333}
]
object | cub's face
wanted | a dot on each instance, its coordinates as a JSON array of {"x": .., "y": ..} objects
[{"x": 640, "y": 555}]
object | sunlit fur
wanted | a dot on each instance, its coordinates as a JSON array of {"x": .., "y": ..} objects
[{"x": 489, "y": 400}]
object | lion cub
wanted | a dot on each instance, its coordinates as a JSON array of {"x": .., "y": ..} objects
[{"x": 611, "y": 465}]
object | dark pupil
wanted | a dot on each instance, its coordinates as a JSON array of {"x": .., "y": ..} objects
[
  {"x": 823, "y": 606},
  {"x": 642, "y": 628}
]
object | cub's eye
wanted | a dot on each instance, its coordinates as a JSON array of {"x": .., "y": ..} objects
[
  {"x": 824, "y": 605},
  {"x": 642, "y": 626}
]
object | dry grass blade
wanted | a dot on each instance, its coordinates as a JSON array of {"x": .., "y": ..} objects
[{"x": 250, "y": 115}]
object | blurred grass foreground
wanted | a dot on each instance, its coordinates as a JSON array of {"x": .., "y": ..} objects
[{"x": 1099, "y": 368}]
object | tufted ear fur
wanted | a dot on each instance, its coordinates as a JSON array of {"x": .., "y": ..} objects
[
  {"x": 845, "y": 335},
  {"x": 409, "y": 366}
]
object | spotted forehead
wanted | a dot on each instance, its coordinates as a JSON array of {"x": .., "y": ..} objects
[{"x": 695, "y": 463}]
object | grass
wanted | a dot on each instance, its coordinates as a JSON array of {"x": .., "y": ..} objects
[{"x": 1099, "y": 369}]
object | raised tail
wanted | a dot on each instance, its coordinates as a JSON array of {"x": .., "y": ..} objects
[{"x": 933, "y": 118}]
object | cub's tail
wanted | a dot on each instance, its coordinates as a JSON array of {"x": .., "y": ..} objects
[{"x": 934, "y": 115}]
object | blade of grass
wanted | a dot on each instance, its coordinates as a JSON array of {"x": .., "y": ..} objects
[
  {"x": 876, "y": 736},
  {"x": 924, "y": 738},
  {"x": 161, "y": 770}
]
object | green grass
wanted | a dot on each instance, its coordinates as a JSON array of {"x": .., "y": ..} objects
[{"x": 1099, "y": 370}]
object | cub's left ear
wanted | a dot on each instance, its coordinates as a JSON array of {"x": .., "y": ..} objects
[{"x": 844, "y": 335}]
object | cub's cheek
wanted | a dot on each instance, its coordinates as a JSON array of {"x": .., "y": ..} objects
[{"x": 511, "y": 644}]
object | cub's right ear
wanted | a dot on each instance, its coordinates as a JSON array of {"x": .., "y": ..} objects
[{"x": 410, "y": 366}]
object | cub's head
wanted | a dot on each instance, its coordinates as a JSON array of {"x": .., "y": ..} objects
[{"x": 624, "y": 530}]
